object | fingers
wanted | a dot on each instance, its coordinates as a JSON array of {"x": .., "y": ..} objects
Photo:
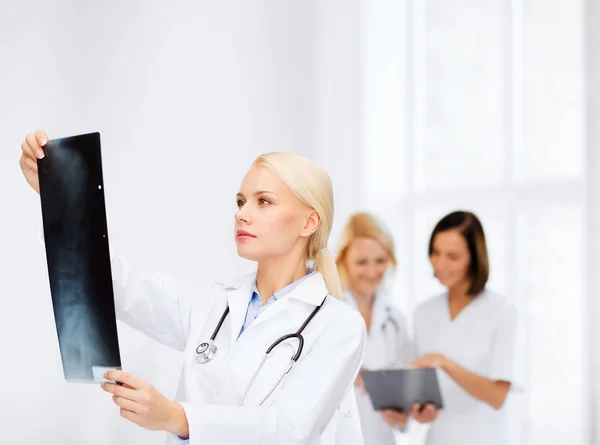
[
  {"x": 27, "y": 163},
  {"x": 129, "y": 415},
  {"x": 430, "y": 412},
  {"x": 416, "y": 413},
  {"x": 394, "y": 418},
  {"x": 121, "y": 391},
  {"x": 41, "y": 137},
  {"x": 124, "y": 377},
  {"x": 126, "y": 404},
  {"x": 28, "y": 151},
  {"x": 420, "y": 362},
  {"x": 426, "y": 415},
  {"x": 34, "y": 145}
]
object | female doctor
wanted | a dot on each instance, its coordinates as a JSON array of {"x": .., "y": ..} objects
[
  {"x": 228, "y": 395},
  {"x": 365, "y": 256},
  {"x": 467, "y": 332}
]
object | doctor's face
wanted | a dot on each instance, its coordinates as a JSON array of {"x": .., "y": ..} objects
[
  {"x": 271, "y": 221},
  {"x": 366, "y": 263},
  {"x": 450, "y": 258}
]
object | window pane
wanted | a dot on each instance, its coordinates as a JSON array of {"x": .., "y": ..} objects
[
  {"x": 460, "y": 89},
  {"x": 553, "y": 104},
  {"x": 384, "y": 98},
  {"x": 551, "y": 283}
]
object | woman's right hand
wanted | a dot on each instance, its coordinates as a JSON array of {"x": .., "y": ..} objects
[
  {"x": 426, "y": 414},
  {"x": 32, "y": 151}
]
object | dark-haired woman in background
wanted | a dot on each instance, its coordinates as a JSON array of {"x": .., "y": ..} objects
[{"x": 468, "y": 333}]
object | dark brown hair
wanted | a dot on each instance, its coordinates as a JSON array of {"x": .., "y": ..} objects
[{"x": 471, "y": 229}]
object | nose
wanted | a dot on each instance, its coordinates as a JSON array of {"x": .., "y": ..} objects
[
  {"x": 373, "y": 273},
  {"x": 242, "y": 216}
]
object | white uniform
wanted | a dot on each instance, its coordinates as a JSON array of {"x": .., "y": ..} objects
[
  {"x": 314, "y": 404},
  {"x": 481, "y": 339},
  {"x": 387, "y": 345}
]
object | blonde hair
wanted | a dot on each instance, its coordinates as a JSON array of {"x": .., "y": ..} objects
[
  {"x": 312, "y": 186},
  {"x": 363, "y": 225}
]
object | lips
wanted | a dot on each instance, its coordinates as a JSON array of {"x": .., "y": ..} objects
[{"x": 244, "y": 234}]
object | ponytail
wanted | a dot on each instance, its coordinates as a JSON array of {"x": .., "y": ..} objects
[{"x": 325, "y": 265}]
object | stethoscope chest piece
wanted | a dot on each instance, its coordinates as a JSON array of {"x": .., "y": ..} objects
[{"x": 206, "y": 352}]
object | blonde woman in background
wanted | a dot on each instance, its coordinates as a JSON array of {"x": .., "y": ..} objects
[
  {"x": 282, "y": 222},
  {"x": 365, "y": 256}
]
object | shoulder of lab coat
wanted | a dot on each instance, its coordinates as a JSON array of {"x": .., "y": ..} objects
[{"x": 305, "y": 403}]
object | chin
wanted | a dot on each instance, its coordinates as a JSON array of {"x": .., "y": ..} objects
[
  {"x": 248, "y": 254},
  {"x": 368, "y": 290},
  {"x": 448, "y": 283}
]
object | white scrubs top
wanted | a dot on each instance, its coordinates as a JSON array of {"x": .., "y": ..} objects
[
  {"x": 482, "y": 340},
  {"x": 388, "y": 344}
]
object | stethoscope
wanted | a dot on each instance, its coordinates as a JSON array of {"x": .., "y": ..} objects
[
  {"x": 390, "y": 320},
  {"x": 207, "y": 351}
]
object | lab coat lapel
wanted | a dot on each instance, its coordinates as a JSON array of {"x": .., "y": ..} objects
[{"x": 238, "y": 297}]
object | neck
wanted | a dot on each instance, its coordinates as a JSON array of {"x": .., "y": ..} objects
[
  {"x": 276, "y": 273},
  {"x": 363, "y": 300},
  {"x": 458, "y": 294}
]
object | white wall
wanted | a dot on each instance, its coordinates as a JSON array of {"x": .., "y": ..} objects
[
  {"x": 185, "y": 95},
  {"x": 338, "y": 106},
  {"x": 593, "y": 161}
]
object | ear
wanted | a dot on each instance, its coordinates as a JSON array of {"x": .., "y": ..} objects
[{"x": 311, "y": 224}]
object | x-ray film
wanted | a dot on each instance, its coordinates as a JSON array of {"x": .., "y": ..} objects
[{"x": 77, "y": 253}]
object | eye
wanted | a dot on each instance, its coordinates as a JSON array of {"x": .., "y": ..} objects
[
  {"x": 263, "y": 201},
  {"x": 239, "y": 203},
  {"x": 361, "y": 262}
]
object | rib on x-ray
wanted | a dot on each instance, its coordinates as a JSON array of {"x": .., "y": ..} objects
[{"x": 76, "y": 239}]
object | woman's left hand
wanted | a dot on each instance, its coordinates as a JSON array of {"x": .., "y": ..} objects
[
  {"x": 144, "y": 405},
  {"x": 431, "y": 361}
]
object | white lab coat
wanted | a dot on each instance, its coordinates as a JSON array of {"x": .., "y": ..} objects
[
  {"x": 315, "y": 404},
  {"x": 481, "y": 339},
  {"x": 388, "y": 344}
]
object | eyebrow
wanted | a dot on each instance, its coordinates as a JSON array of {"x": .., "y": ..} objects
[{"x": 262, "y": 192}]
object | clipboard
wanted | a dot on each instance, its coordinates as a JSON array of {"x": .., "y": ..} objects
[
  {"x": 400, "y": 388},
  {"x": 78, "y": 257}
]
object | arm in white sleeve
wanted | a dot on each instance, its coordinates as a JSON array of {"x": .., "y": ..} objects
[
  {"x": 304, "y": 405},
  {"x": 503, "y": 345},
  {"x": 154, "y": 304}
]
